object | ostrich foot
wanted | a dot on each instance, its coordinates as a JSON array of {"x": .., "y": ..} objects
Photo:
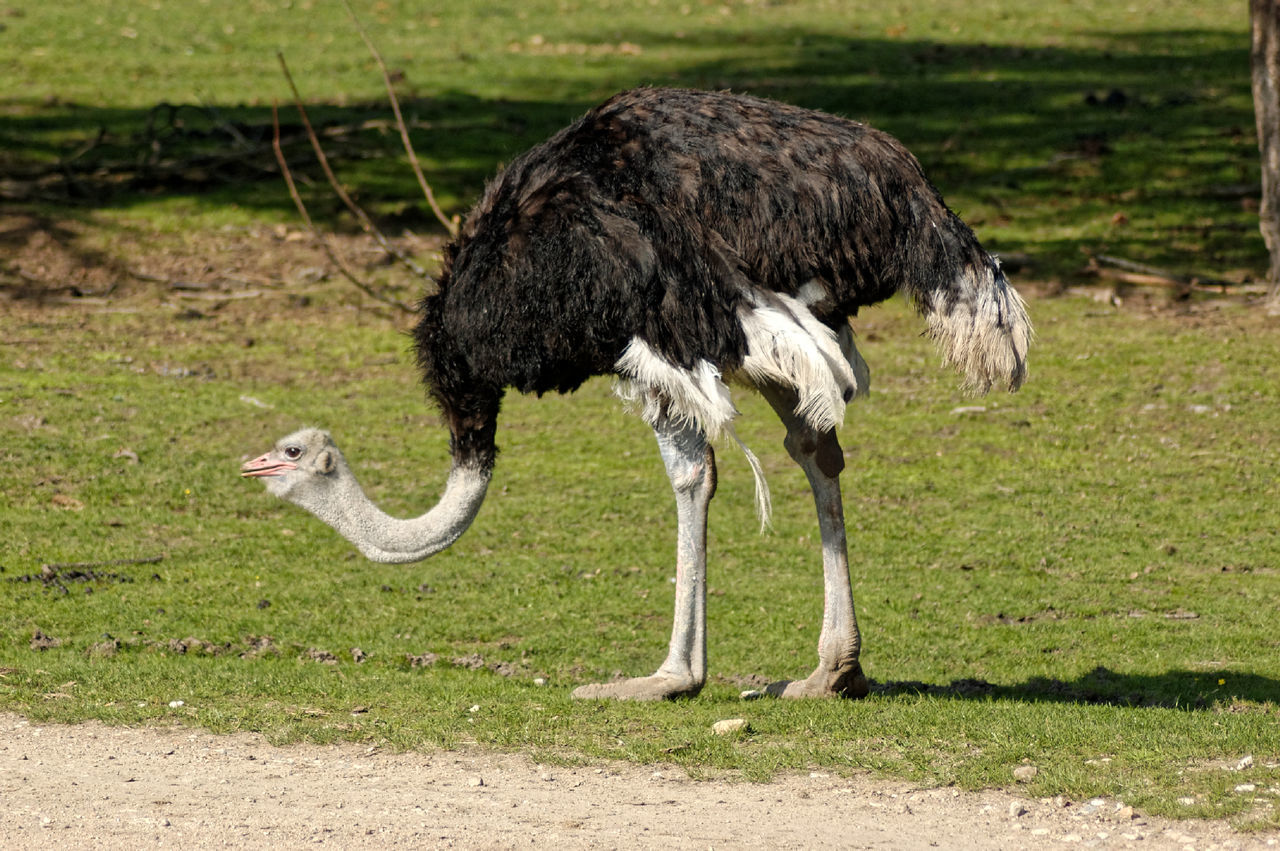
[
  {"x": 846, "y": 681},
  {"x": 656, "y": 687}
]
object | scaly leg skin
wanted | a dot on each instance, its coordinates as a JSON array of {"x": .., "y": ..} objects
[
  {"x": 691, "y": 467},
  {"x": 818, "y": 453}
]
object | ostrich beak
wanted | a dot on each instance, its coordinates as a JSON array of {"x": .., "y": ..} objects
[{"x": 264, "y": 466}]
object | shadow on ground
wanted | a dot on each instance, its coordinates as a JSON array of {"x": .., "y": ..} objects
[
  {"x": 1149, "y": 134},
  {"x": 1191, "y": 690}
]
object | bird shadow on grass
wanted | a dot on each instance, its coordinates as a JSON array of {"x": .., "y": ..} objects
[{"x": 1225, "y": 690}]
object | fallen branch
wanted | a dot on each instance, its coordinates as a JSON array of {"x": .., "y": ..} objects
[
  {"x": 127, "y": 167},
  {"x": 224, "y": 125},
  {"x": 450, "y": 225},
  {"x": 160, "y": 156},
  {"x": 323, "y": 241},
  {"x": 148, "y": 277},
  {"x": 221, "y": 296},
  {"x": 365, "y": 222},
  {"x": 1142, "y": 274},
  {"x": 84, "y": 148},
  {"x": 54, "y": 567}
]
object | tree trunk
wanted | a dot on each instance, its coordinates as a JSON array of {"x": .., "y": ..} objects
[{"x": 1264, "y": 17}]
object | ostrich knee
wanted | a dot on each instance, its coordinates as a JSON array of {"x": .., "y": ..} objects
[{"x": 820, "y": 448}]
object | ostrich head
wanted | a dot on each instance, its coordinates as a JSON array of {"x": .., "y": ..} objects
[
  {"x": 300, "y": 468},
  {"x": 307, "y": 469}
]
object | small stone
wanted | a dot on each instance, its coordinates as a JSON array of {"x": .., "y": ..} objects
[
  {"x": 1186, "y": 802},
  {"x": 546, "y": 777},
  {"x": 1246, "y": 787},
  {"x": 1025, "y": 773},
  {"x": 1246, "y": 761},
  {"x": 1017, "y": 810},
  {"x": 1072, "y": 837},
  {"x": 475, "y": 782},
  {"x": 730, "y": 726},
  {"x": 1040, "y": 831},
  {"x": 1126, "y": 813},
  {"x": 174, "y": 704},
  {"x": 539, "y": 681},
  {"x": 751, "y": 694}
]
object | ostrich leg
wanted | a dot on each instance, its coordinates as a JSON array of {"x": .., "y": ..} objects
[
  {"x": 818, "y": 453},
  {"x": 691, "y": 467}
]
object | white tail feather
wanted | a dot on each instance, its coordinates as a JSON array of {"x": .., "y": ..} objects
[
  {"x": 764, "y": 502},
  {"x": 986, "y": 336},
  {"x": 696, "y": 396},
  {"x": 787, "y": 345}
]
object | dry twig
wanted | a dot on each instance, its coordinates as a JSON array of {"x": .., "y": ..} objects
[
  {"x": 449, "y": 224},
  {"x": 365, "y": 222},
  {"x": 337, "y": 261},
  {"x": 1142, "y": 274}
]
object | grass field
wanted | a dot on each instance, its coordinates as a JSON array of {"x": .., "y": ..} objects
[{"x": 1081, "y": 576}]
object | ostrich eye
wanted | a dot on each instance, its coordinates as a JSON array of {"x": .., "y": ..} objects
[{"x": 293, "y": 453}]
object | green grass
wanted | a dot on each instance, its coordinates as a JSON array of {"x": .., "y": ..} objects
[
  {"x": 1005, "y": 101},
  {"x": 1082, "y": 576}
]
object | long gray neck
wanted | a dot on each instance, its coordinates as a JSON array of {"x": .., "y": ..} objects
[{"x": 383, "y": 538}]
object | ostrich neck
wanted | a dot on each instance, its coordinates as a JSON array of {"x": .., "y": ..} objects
[{"x": 387, "y": 539}]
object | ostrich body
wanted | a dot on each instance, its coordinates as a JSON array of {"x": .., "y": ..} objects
[{"x": 678, "y": 240}]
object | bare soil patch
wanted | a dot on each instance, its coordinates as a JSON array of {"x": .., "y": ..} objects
[
  {"x": 90, "y": 785},
  {"x": 49, "y": 261}
]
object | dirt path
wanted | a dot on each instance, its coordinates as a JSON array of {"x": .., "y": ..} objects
[{"x": 108, "y": 787}]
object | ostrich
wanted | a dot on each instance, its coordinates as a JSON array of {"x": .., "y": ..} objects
[{"x": 677, "y": 240}]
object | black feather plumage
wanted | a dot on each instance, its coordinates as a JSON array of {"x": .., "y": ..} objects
[{"x": 657, "y": 215}]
